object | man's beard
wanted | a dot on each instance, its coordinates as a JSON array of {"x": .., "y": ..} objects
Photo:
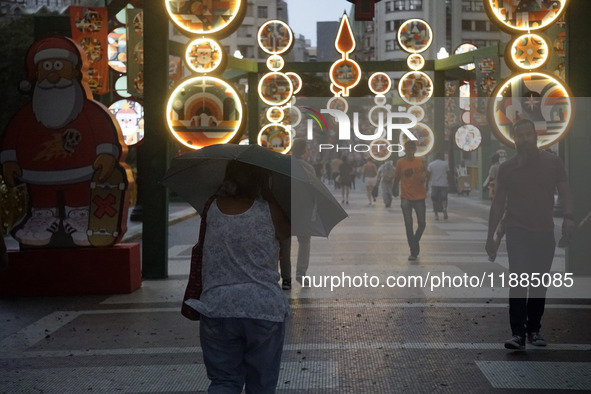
[{"x": 56, "y": 105}]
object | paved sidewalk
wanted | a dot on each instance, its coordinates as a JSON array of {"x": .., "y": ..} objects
[{"x": 349, "y": 340}]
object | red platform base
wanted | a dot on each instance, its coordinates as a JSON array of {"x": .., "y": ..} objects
[{"x": 65, "y": 272}]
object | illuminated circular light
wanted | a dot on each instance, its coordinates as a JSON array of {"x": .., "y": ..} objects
[
  {"x": 275, "y": 88},
  {"x": 294, "y": 117},
  {"x": 468, "y": 138},
  {"x": 211, "y": 17},
  {"x": 338, "y": 103},
  {"x": 536, "y": 96},
  {"x": 380, "y": 100},
  {"x": 275, "y": 63},
  {"x": 275, "y": 137},
  {"x": 335, "y": 90},
  {"x": 374, "y": 116},
  {"x": 275, "y": 37},
  {"x": 425, "y": 139},
  {"x": 415, "y": 36},
  {"x": 275, "y": 114},
  {"x": 415, "y": 88},
  {"x": 379, "y": 149},
  {"x": 528, "y": 52},
  {"x": 379, "y": 83},
  {"x": 524, "y": 16},
  {"x": 204, "y": 55},
  {"x": 130, "y": 116},
  {"x": 296, "y": 81},
  {"x": 121, "y": 86},
  {"x": 117, "y": 49},
  {"x": 465, "y": 48},
  {"x": 345, "y": 74},
  {"x": 415, "y": 61},
  {"x": 204, "y": 111},
  {"x": 466, "y": 117},
  {"x": 417, "y": 111}
]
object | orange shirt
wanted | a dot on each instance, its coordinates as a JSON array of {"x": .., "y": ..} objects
[{"x": 412, "y": 178}]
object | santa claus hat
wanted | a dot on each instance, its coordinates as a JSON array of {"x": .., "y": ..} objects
[{"x": 51, "y": 47}]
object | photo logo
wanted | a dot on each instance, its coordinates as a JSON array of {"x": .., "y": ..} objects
[{"x": 317, "y": 117}]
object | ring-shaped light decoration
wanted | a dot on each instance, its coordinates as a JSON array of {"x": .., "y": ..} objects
[
  {"x": 338, "y": 103},
  {"x": 379, "y": 83},
  {"x": 204, "y": 55},
  {"x": 345, "y": 74},
  {"x": 275, "y": 114},
  {"x": 130, "y": 116},
  {"x": 379, "y": 149},
  {"x": 465, "y": 48},
  {"x": 117, "y": 49},
  {"x": 296, "y": 81},
  {"x": 415, "y": 61},
  {"x": 275, "y": 37},
  {"x": 527, "y": 52},
  {"x": 219, "y": 18},
  {"x": 417, "y": 111},
  {"x": 536, "y": 96},
  {"x": 380, "y": 100},
  {"x": 294, "y": 115},
  {"x": 374, "y": 116},
  {"x": 415, "y": 87},
  {"x": 524, "y": 16},
  {"x": 275, "y": 63},
  {"x": 468, "y": 138},
  {"x": 275, "y": 88},
  {"x": 203, "y": 111},
  {"x": 335, "y": 90},
  {"x": 276, "y": 137},
  {"x": 425, "y": 139},
  {"x": 415, "y": 36}
]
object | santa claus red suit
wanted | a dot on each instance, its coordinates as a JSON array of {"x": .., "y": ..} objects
[{"x": 55, "y": 143}]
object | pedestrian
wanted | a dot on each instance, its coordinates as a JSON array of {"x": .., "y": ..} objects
[
  {"x": 370, "y": 177},
  {"x": 335, "y": 164},
  {"x": 386, "y": 181},
  {"x": 299, "y": 151},
  {"x": 491, "y": 179},
  {"x": 438, "y": 173},
  {"x": 412, "y": 176},
  {"x": 529, "y": 227},
  {"x": 345, "y": 176},
  {"x": 242, "y": 307}
]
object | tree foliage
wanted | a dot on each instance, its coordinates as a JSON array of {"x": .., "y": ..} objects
[{"x": 17, "y": 36}]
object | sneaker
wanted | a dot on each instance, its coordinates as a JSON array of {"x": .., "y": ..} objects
[
  {"x": 412, "y": 257},
  {"x": 445, "y": 214},
  {"x": 286, "y": 285},
  {"x": 39, "y": 228},
  {"x": 517, "y": 342},
  {"x": 76, "y": 225},
  {"x": 536, "y": 339}
]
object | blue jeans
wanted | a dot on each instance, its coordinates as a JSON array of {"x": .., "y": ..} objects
[
  {"x": 241, "y": 351},
  {"x": 529, "y": 252},
  {"x": 420, "y": 210}
]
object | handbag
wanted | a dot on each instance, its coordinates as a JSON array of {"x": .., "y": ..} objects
[{"x": 195, "y": 284}]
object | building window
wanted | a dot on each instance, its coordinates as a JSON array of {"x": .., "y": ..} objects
[
  {"x": 416, "y": 5},
  {"x": 472, "y": 6},
  {"x": 467, "y": 25},
  {"x": 389, "y": 6},
  {"x": 262, "y": 12},
  {"x": 480, "y": 25},
  {"x": 399, "y": 5},
  {"x": 390, "y": 27},
  {"x": 391, "y": 45},
  {"x": 249, "y": 8}
]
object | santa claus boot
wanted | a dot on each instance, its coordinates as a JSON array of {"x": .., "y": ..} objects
[
  {"x": 39, "y": 228},
  {"x": 76, "y": 224}
]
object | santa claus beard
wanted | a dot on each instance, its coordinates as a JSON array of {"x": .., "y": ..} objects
[{"x": 56, "y": 105}]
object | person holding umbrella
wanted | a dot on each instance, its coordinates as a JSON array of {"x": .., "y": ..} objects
[{"x": 242, "y": 307}]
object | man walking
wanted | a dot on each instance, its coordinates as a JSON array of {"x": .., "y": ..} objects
[
  {"x": 412, "y": 175},
  {"x": 438, "y": 172},
  {"x": 529, "y": 227}
]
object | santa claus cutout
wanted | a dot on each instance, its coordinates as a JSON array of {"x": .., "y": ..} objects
[{"x": 56, "y": 144}]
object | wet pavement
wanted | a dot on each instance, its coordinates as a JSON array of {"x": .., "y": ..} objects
[{"x": 366, "y": 337}]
